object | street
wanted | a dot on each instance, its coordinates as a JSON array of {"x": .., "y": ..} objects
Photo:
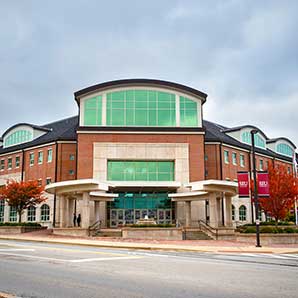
[{"x": 29, "y": 269}]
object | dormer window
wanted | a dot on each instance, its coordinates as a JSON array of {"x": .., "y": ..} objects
[
  {"x": 259, "y": 141},
  {"x": 18, "y": 137},
  {"x": 284, "y": 149}
]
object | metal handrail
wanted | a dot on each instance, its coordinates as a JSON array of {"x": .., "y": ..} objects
[
  {"x": 207, "y": 228},
  {"x": 94, "y": 227}
]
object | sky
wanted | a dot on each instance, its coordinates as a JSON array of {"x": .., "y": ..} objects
[{"x": 243, "y": 54}]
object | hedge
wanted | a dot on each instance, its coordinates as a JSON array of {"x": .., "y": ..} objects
[
  {"x": 22, "y": 224},
  {"x": 268, "y": 230}
]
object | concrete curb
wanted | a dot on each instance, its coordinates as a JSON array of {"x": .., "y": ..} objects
[{"x": 165, "y": 247}]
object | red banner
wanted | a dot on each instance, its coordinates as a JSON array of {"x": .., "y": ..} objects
[
  {"x": 263, "y": 184},
  {"x": 243, "y": 184}
]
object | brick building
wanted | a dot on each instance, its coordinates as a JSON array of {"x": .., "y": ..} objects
[{"x": 138, "y": 148}]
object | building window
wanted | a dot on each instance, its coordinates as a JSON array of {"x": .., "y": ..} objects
[
  {"x": 2, "y": 164},
  {"x": 40, "y": 157},
  {"x": 13, "y": 214},
  {"x": 9, "y": 163},
  {"x": 45, "y": 212},
  {"x": 233, "y": 212},
  {"x": 17, "y": 161},
  {"x": 141, "y": 170},
  {"x": 141, "y": 108},
  {"x": 50, "y": 155},
  {"x": 31, "y": 159},
  {"x": 71, "y": 172},
  {"x": 39, "y": 181},
  {"x": 242, "y": 160},
  {"x": 71, "y": 157},
  {"x": 242, "y": 213},
  {"x": 18, "y": 137},
  {"x": 261, "y": 165},
  {"x": 226, "y": 156},
  {"x": 206, "y": 157},
  {"x": 234, "y": 158},
  {"x": 289, "y": 170},
  {"x": 188, "y": 112},
  {"x": 31, "y": 214},
  {"x": 284, "y": 149},
  {"x": 48, "y": 181},
  {"x": 93, "y": 111},
  {"x": 2, "y": 209},
  {"x": 259, "y": 141}
]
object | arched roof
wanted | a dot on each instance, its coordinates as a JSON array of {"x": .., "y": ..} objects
[
  {"x": 246, "y": 126},
  {"x": 282, "y": 139},
  {"x": 141, "y": 82},
  {"x": 26, "y": 124}
]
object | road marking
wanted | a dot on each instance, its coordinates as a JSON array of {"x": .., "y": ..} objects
[
  {"x": 70, "y": 261},
  {"x": 103, "y": 259},
  {"x": 17, "y": 249}
]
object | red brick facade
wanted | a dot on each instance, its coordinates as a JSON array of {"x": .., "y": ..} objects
[{"x": 196, "y": 149}]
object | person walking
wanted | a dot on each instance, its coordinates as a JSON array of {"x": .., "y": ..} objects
[
  {"x": 79, "y": 220},
  {"x": 74, "y": 219}
]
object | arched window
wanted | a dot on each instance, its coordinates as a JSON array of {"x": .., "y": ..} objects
[
  {"x": 259, "y": 141},
  {"x": 45, "y": 212},
  {"x": 233, "y": 212},
  {"x": 18, "y": 137},
  {"x": 31, "y": 215},
  {"x": 242, "y": 213},
  {"x": 13, "y": 214},
  {"x": 2, "y": 208},
  {"x": 284, "y": 149}
]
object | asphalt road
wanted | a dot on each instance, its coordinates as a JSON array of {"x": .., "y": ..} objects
[{"x": 52, "y": 270}]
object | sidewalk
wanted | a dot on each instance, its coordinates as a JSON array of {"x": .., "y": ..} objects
[{"x": 186, "y": 245}]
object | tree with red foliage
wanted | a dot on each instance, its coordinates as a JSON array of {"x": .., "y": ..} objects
[
  {"x": 22, "y": 195},
  {"x": 283, "y": 190}
]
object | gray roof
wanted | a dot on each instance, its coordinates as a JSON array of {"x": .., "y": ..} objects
[{"x": 65, "y": 130}]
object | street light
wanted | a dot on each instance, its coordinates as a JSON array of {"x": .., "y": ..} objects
[{"x": 252, "y": 134}]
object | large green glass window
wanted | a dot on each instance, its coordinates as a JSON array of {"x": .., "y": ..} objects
[
  {"x": 18, "y": 137},
  {"x": 141, "y": 201},
  {"x": 93, "y": 111},
  {"x": 188, "y": 112},
  {"x": 141, "y": 108},
  {"x": 259, "y": 141},
  {"x": 284, "y": 149},
  {"x": 140, "y": 170}
]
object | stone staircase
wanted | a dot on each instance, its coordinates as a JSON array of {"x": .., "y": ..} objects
[{"x": 196, "y": 234}]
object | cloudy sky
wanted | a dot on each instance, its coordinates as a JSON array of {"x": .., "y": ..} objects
[{"x": 243, "y": 54}]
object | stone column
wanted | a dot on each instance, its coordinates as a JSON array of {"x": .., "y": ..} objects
[
  {"x": 96, "y": 210},
  {"x": 62, "y": 211},
  {"x": 228, "y": 211},
  {"x": 103, "y": 213},
  {"x": 213, "y": 210},
  {"x": 187, "y": 207},
  {"x": 85, "y": 211},
  {"x": 70, "y": 212}
]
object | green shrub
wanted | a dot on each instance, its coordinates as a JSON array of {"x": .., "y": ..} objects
[
  {"x": 22, "y": 224},
  {"x": 151, "y": 226},
  {"x": 248, "y": 230},
  {"x": 289, "y": 230}
]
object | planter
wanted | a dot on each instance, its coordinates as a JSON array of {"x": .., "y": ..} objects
[
  {"x": 153, "y": 233},
  {"x": 268, "y": 239},
  {"x": 18, "y": 229}
]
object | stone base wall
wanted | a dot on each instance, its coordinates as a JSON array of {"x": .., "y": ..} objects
[
  {"x": 71, "y": 232},
  {"x": 17, "y": 229},
  {"x": 152, "y": 233},
  {"x": 268, "y": 239}
]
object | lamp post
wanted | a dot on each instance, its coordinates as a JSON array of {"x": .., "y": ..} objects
[{"x": 252, "y": 133}]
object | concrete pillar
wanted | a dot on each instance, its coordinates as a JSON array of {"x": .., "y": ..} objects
[
  {"x": 62, "y": 211},
  {"x": 85, "y": 211},
  {"x": 103, "y": 213},
  {"x": 70, "y": 212},
  {"x": 219, "y": 211},
  {"x": 187, "y": 207},
  {"x": 228, "y": 211},
  {"x": 213, "y": 210},
  {"x": 96, "y": 210}
]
